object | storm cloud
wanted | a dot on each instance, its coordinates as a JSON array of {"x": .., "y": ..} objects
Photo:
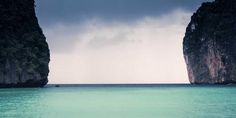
[
  {"x": 52, "y": 12},
  {"x": 116, "y": 41}
]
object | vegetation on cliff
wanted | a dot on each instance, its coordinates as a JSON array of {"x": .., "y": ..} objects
[
  {"x": 209, "y": 43},
  {"x": 24, "y": 53}
]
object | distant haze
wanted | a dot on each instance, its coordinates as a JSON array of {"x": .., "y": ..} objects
[{"x": 116, "y": 41}]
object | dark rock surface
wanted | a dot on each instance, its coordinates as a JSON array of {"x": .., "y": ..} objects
[
  {"x": 24, "y": 53},
  {"x": 210, "y": 43}
]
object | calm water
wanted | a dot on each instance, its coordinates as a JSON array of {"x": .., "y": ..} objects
[{"x": 119, "y": 102}]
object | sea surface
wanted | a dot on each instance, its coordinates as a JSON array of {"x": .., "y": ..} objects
[{"x": 119, "y": 101}]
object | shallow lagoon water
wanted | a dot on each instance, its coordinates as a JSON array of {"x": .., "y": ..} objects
[{"x": 166, "y": 101}]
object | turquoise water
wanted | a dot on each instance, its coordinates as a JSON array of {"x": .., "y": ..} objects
[{"x": 119, "y": 102}]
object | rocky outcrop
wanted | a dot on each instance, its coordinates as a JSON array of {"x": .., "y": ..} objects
[
  {"x": 210, "y": 43},
  {"x": 24, "y": 53}
]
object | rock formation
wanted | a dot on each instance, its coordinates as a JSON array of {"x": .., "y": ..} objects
[
  {"x": 210, "y": 43},
  {"x": 24, "y": 53}
]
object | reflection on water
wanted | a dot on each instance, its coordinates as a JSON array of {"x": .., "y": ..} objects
[
  {"x": 119, "y": 102},
  {"x": 15, "y": 103}
]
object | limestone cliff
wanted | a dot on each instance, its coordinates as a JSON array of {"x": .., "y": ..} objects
[
  {"x": 210, "y": 43},
  {"x": 24, "y": 53}
]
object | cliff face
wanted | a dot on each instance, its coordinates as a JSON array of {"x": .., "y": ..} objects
[
  {"x": 24, "y": 53},
  {"x": 210, "y": 43}
]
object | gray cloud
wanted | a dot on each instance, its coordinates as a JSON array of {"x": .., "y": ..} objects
[
  {"x": 62, "y": 38},
  {"x": 58, "y": 16},
  {"x": 148, "y": 51},
  {"x": 116, "y": 41},
  {"x": 69, "y": 11}
]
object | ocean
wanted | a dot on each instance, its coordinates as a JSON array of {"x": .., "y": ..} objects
[{"x": 119, "y": 101}]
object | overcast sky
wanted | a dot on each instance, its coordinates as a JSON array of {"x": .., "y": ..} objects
[{"x": 116, "y": 41}]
